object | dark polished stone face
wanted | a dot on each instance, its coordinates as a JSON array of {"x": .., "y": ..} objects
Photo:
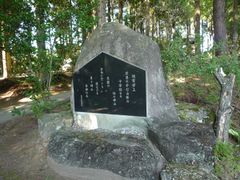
[{"x": 111, "y": 86}]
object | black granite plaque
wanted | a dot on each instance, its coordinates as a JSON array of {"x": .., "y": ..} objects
[{"x": 111, "y": 86}]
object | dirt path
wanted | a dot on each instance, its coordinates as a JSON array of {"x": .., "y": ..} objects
[
  {"x": 22, "y": 152},
  {"x": 6, "y": 114}
]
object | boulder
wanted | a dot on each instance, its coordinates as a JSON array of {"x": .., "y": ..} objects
[
  {"x": 184, "y": 142},
  {"x": 101, "y": 154}
]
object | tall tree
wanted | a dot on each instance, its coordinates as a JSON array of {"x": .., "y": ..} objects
[
  {"x": 85, "y": 15},
  {"x": 101, "y": 12},
  {"x": 112, "y": 9},
  {"x": 220, "y": 32},
  {"x": 120, "y": 11},
  {"x": 148, "y": 17},
  {"x": 3, "y": 64},
  {"x": 153, "y": 25},
  {"x": 41, "y": 7},
  {"x": 109, "y": 10},
  {"x": 197, "y": 22},
  {"x": 235, "y": 24}
]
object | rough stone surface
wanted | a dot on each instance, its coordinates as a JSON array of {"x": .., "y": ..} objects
[
  {"x": 180, "y": 172},
  {"x": 125, "y": 44},
  {"x": 83, "y": 173},
  {"x": 124, "y": 155},
  {"x": 184, "y": 142},
  {"x": 52, "y": 122}
]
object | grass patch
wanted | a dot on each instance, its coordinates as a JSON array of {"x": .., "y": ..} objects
[{"x": 227, "y": 164}]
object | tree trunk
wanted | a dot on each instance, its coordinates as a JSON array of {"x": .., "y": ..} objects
[
  {"x": 153, "y": 26},
  {"x": 112, "y": 9},
  {"x": 70, "y": 26},
  {"x": 148, "y": 18},
  {"x": 101, "y": 12},
  {"x": 109, "y": 10},
  {"x": 169, "y": 31},
  {"x": 41, "y": 34},
  {"x": 225, "y": 109},
  {"x": 197, "y": 26},
  {"x": 159, "y": 31},
  {"x": 132, "y": 16},
  {"x": 4, "y": 64},
  {"x": 120, "y": 8},
  {"x": 235, "y": 25},
  {"x": 84, "y": 35},
  {"x": 141, "y": 27},
  {"x": 220, "y": 32},
  {"x": 189, "y": 39},
  {"x": 3, "y": 53}
]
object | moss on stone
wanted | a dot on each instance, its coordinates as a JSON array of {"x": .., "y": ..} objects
[{"x": 183, "y": 172}]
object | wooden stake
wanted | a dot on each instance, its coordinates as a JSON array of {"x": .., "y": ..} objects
[{"x": 225, "y": 109}]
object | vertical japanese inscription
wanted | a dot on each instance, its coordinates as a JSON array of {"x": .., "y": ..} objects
[{"x": 109, "y": 85}]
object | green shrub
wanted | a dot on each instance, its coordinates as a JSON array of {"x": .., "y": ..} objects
[
  {"x": 227, "y": 164},
  {"x": 174, "y": 54},
  {"x": 39, "y": 106},
  {"x": 235, "y": 133},
  {"x": 18, "y": 111},
  {"x": 177, "y": 58}
]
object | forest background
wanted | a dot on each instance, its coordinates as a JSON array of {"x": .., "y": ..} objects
[{"x": 38, "y": 37}]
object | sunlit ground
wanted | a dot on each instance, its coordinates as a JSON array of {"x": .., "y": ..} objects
[{"x": 183, "y": 80}]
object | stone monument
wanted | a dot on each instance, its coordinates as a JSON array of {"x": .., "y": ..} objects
[
  {"x": 125, "y": 122},
  {"x": 119, "y": 76}
]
